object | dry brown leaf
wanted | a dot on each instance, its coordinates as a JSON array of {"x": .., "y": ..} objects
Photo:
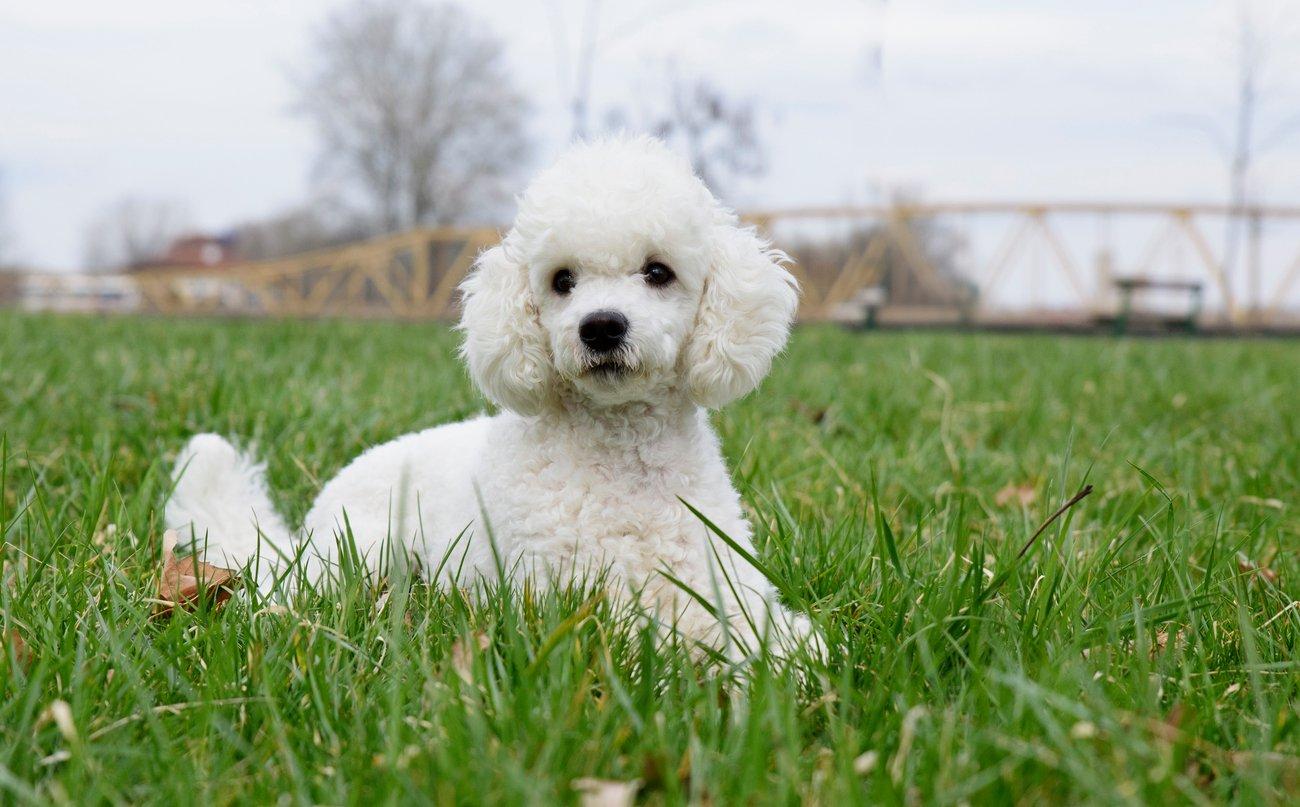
[
  {"x": 684, "y": 767},
  {"x": 1024, "y": 495},
  {"x": 1164, "y": 640},
  {"x": 188, "y": 581},
  {"x": 1247, "y": 566},
  {"x": 1176, "y": 716},
  {"x": 463, "y": 652},
  {"x": 656, "y": 773},
  {"x": 1171, "y": 732},
  {"x": 21, "y": 652},
  {"x": 606, "y": 792}
]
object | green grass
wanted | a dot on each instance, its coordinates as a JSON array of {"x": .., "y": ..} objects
[{"x": 1128, "y": 657}]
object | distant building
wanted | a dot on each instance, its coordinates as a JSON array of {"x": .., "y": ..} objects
[
  {"x": 79, "y": 293},
  {"x": 193, "y": 251},
  {"x": 11, "y": 287}
]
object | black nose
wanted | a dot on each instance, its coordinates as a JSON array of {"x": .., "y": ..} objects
[{"x": 603, "y": 331}]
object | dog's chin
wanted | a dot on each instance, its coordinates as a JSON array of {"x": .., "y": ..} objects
[
  {"x": 607, "y": 380},
  {"x": 612, "y": 382},
  {"x": 609, "y": 372}
]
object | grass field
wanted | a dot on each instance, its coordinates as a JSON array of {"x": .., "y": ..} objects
[{"x": 1145, "y": 649}]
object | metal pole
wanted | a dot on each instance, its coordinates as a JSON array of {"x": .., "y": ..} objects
[{"x": 1253, "y": 265}]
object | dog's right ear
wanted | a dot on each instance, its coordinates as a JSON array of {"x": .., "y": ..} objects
[{"x": 505, "y": 346}]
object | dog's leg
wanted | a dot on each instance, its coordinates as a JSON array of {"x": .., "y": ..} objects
[
  {"x": 360, "y": 546},
  {"x": 792, "y": 632},
  {"x": 737, "y": 628}
]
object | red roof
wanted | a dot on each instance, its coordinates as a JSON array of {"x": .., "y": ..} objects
[{"x": 193, "y": 251}]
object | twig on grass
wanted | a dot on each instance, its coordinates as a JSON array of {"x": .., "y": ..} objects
[
  {"x": 171, "y": 709},
  {"x": 1075, "y": 499},
  {"x": 1015, "y": 564}
]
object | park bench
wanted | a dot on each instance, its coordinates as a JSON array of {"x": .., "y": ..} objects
[{"x": 1136, "y": 314}]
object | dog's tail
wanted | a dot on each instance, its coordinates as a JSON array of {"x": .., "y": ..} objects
[{"x": 220, "y": 503}]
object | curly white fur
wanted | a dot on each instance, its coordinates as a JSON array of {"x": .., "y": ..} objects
[{"x": 583, "y": 468}]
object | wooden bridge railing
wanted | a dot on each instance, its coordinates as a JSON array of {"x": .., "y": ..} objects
[
  {"x": 410, "y": 275},
  {"x": 415, "y": 274}
]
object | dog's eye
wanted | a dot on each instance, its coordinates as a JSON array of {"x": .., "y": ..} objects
[
  {"x": 658, "y": 274},
  {"x": 562, "y": 282}
]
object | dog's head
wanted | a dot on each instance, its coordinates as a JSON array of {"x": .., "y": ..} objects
[{"x": 624, "y": 279}]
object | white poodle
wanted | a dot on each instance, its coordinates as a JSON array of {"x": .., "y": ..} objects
[{"x": 624, "y": 302}]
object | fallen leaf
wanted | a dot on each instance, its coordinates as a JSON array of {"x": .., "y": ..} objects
[
  {"x": 463, "y": 652},
  {"x": 655, "y": 773},
  {"x": 1024, "y": 495},
  {"x": 864, "y": 764},
  {"x": 814, "y": 413},
  {"x": 61, "y": 713},
  {"x": 606, "y": 792},
  {"x": 1273, "y": 504},
  {"x": 684, "y": 767},
  {"x": 906, "y": 735},
  {"x": 1176, "y": 716},
  {"x": 188, "y": 581},
  {"x": 22, "y": 654},
  {"x": 1247, "y": 566},
  {"x": 1161, "y": 641},
  {"x": 105, "y": 536},
  {"x": 56, "y": 758}
]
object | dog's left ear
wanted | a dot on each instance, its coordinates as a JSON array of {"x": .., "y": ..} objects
[{"x": 745, "y": 314}]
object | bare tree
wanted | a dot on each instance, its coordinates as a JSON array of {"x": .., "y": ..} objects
[
  {"x": 718, "y": 133},
  {"x": 577, "y": 86},
  {"x": 1250, "y": 53},
  {"x": 578, "y": 48},
  {"x": 413, "y": 104},
  {"x": 6, "y": 235},
  {"x": 1245, "y": 137},
  {"x": 320, "y": 224},
  {"x": 132, "y": 231}
]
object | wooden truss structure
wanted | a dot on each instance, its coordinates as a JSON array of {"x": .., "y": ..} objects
[
  {"x": 412, "y": 275},
  {"x": 415, "y": 274},
  {"x": 1092, "y": 278}
]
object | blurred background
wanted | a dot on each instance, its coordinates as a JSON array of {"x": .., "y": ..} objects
[{"x": 1044, "y": 164}]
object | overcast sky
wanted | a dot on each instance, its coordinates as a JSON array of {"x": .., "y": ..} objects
[{"x": 1043, "y": 99}]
